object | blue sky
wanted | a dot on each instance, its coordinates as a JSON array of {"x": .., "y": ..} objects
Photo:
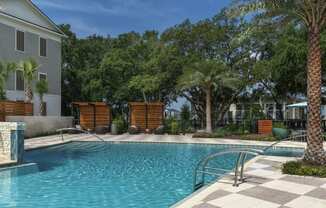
[{"x": 114, "y": 17}]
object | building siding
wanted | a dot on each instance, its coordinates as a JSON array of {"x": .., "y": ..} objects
[{"x": 51, "y": 65}]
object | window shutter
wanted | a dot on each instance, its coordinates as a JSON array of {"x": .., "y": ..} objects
[
  {"x": 43, "y": 47},
  {"x": 20, "y": 40}
]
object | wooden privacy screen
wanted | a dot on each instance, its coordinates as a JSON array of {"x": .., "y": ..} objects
[
  {"x": 265, "y": 126},
  {"x": 146, "y": 116},
  {"x": 15, "y": 108},
  {"x": 93, "y": 114}
]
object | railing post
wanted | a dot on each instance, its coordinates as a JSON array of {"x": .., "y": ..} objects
[
  {"x": 61, "y": 133},
  {"x": 242, "y": 166},
  {"x": 236, "y": 171}
]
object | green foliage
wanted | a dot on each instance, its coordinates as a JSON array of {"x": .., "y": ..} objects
[
  {"x": 42, "y": 88},
  {"x": 185, "y": 118},
  {"x": 279, "y": 125},
  {"x": 145, "y": 83},
  {"x": 175, "y": 128},
  {"x": 207, "y": 73},
  {"x": 5, "y": 70},
  {"x": 230, "y": 129},
  {"x": 120, "y": 124},
  {"x": 80, "y": 60},
  {"x": 133, "y": 130},
  {"x": 251, "y": 116},
  {"x": 304, "y": 169},
  {"x": 233, "y": 134},
  {"x": 171, "y": 126},
  {"x": 160, "y": 130},
  {"x": 29, "y": 68}
]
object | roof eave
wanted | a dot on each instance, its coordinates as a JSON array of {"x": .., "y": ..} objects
[{"x": 61, "y": 34}]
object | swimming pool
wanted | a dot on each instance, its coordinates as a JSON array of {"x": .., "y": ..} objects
[{"x": 97, "y": 174}]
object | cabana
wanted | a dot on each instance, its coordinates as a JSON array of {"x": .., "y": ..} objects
[
  {"x": 146, "y": 116},
  {"x": 91, "y": 115}
]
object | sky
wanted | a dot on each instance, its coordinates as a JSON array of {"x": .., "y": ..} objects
[{"x": 113, "y": 17}]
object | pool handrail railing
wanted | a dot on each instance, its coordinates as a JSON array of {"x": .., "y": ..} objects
[
  {"x": 78, "y": 130},
  {"x": 240, "y": 162}
]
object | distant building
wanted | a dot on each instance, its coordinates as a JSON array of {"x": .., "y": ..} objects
[
  {"x": 26, "y": 32},
  {"x": 273, "y": 111}
]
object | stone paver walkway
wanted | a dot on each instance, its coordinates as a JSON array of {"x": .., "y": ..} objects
[{"x": 266, "y": 187}]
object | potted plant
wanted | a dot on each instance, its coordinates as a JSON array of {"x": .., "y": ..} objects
[
  {"x": 280, "y": 131},
  {"x": 42, "y": 88}
]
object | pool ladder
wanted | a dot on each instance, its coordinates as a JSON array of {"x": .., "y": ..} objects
[
  {"x": 202, "y": 169},
  {"x": 78, "y": 130}
]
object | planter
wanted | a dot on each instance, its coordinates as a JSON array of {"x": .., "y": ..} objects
[
  {"x": 280, "y": 133},
  {"x": 114, "y": 129},
  {"x": 101, "y": 129},
  {"x": 265, "y": 126}
]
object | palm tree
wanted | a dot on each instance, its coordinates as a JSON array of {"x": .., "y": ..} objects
[
  {"x": 312, "y": 15},
  {"x": 206, "y": 75},
  {"x": 42, "y": 88},
  {"x": 29, "y": 68},
  {"x": 5, "y": 69}
]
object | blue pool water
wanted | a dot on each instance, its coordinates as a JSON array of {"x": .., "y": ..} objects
[{"x": 95, "y": 174}]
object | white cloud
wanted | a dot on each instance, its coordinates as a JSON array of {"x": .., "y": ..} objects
[{"x": 129, "y": 8}]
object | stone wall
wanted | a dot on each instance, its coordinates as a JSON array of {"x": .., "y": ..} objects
[
  {"x": 42, "y": 125},
  {"x": 12, "y": 141}
]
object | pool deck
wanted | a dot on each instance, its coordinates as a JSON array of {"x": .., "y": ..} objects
[
  {"x": 46, "y": 141},
  {"x": 266, "y": 186}
]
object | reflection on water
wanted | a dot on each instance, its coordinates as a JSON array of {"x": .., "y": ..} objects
[{"x": 8, "y": 188}]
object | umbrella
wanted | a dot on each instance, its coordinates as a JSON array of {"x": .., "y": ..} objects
[{"x": 298, "y": 105}]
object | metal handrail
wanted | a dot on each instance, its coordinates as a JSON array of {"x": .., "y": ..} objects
[
  {"x": 79, "y": 130},
  {"x": 242, "y": 155},
  {"x": 202, "y": 169}
]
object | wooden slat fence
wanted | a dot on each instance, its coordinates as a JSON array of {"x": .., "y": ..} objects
[
  {"x": 93, "y": 114},
  {"x": 146, "y": 115},
  {"x": 15, "y": 108}
]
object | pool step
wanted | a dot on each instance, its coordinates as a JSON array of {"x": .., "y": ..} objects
[{"x": 198, "y": 186}]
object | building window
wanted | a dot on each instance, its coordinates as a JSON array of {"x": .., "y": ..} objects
[
  {"x": 269, "y": 108},
  {"x": 20, "y": 40},
  {"x": 20, "y": 85},
  {"x": 42, "y": 76},
  {"x": 43, "y": 47}
]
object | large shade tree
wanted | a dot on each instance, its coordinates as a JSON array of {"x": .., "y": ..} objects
[
  {"x": 312, "y": 15},
  {"x": 207, "y": 75},
  {"x": 212, "y": 39}
]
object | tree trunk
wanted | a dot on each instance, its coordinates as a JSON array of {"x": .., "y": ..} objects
[
  {"x": 208, "y": 109},
  {"x": 28, "y": 94},
  {"x": 315, "y": 152},
  {"x": 42, "y": 108}
]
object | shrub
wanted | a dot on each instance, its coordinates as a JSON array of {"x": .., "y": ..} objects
[
  {"x": 171, "y": 126},
  {"x": 175, "y": 128},
  {"x": 203, "y": 135},
  {"x": 133, "y": 130},
  {"x": 185, "y": 116},
  {"x": 159, "y": 130},
  {"x": 304, "y": 169},
  {"x": 120, "y": 124},
  {"x": 279, "y": 125}
]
